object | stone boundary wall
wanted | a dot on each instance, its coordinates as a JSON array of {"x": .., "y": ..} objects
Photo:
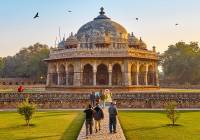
[
  {"x": 124, "y": 100},
  {"x": 156, "y": 100},
  {"x": 177, "y": 86},
  {"x": 45, "y": 100}
]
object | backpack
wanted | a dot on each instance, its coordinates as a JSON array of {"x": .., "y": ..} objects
[{"x": 98, "y": 115}]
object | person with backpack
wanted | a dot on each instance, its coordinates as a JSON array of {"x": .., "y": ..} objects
[
  {"x": 89, "y": 112},
  {"x": 98, "y": 116},
  {"x": 112, "y": 117}
]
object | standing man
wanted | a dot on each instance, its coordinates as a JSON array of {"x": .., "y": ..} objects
[
  {"x": 98, "y": 116},
  {"x": 112, "y": 117},
  {"x": 89, "y": 119}
]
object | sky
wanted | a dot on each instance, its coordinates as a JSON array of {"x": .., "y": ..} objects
[{"x": 156, "y": 25}]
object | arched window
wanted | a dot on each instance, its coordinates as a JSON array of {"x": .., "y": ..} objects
[
  {"x": 102, "y": 75},
  {"x": 142, "y": 75},
  {"x": 88, "y": 75},
  {"x": 134, "y": 74},
  {"x": 53, "y": 75},
  {"x": 62, "y": 75},
  {"x": 70, "y": 74},
  {"x": 116, "y": 75},
  {"x": 150, "y": 75}
]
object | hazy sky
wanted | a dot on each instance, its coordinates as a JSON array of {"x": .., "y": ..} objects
[{"x": 156, "y": 26}]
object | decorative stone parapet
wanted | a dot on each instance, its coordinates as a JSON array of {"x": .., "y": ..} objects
[{"x": 102, "y": 52}]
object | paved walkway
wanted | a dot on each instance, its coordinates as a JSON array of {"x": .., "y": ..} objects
[{"x": 104, "y": 133}]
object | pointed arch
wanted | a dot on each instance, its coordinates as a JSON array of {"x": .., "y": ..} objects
[
  {"x": 102, "y": 76},
  {"x": 150, "y": 75},
  {"x": 142, "y": 75},
  {"x": 116, "y": 75},
  {"x": 62, "y": 75},
  {"x": 70, "y": 74},
  {"x": 87, "y": 75},
  {"x": 53, "y": 75},
  {"x": 134, "y": 74}
]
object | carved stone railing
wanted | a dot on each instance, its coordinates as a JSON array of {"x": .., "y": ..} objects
[{"x": 102, "y": 52}]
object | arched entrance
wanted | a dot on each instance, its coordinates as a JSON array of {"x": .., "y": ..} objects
[
  {"x": 70, "y": 74},
  {"x": 102, "y": 76},
  {"x": 150, "y": 75},
  {"x": 62, "y": 75},
  {"x": 142, "y": 75},
  {"x": 116, "y": 75},
  {"x": 53, "y": 75},
  {"x": 88, "y": 75},
  {"x": 134, "y": 74}
]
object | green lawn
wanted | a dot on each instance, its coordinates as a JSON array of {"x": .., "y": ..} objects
[
  {"x": 149, "y": 125},
  {"x": 51, "y": 125}
]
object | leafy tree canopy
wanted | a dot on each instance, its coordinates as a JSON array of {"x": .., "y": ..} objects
[
  {"x": 27, "y": 63},
  {"x": 181, "y": 63}
]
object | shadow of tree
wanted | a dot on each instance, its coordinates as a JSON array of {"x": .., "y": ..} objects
[
  {"x": 23, "y": 126},
  {"x": 175, "y": 125},
  {"x": 40, "y": 137},
  {"x": 153, "y": 127},
  {"x": 71, "y": 133},
  {"x": 51, "y": 115}
]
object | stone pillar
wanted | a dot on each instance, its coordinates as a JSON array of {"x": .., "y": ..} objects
[
  {"x": 110, "y": 74},
  {"x": 48, "y": 80},
  {"x": 59, "y": 78},
  {"x": 94, "y": 75},
  {"x": 145, "y": 76},
  {"x": 156, "y": 76},
  {"x": 58, "y": 74},
  {"x": 137, "y": 73},
  {"x": 77, "y": 73},
  {"x": 67, "y": 79},
  {"x": 123, "y": 76},
  {"x": 127, "y": 73},
  {"x": 94, "y": 78}
]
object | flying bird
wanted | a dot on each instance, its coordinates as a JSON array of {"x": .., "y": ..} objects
[
  {"x": 176, "y": 24},
  {"x": 137, "y": 19},
  {"x": 69, "y": 11},
  {"x": 37, "y": 15}
]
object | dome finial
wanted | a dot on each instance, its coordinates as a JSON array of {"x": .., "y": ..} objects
[{"x": 101, "y": 12}]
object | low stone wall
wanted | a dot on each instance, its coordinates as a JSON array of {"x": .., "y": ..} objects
[
  {"x": 156, "y": 100},
  {"x": 124, "y": 100},
  {"x": 45, "y": 100}
]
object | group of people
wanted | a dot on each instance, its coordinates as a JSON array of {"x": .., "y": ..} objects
[
  {"x": 95, "y": 112},
  {"x": 100, "y": 97}
]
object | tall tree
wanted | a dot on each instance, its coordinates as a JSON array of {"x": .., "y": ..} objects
[
  {"x": 28, "y": 62},
  {"x": 181, "y": 63}
]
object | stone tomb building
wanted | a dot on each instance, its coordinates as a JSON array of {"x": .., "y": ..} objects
[{"x": 102, "y": 55}]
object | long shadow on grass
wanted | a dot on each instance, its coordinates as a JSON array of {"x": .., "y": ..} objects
[
  {"x": 153, "y": 127},
  {"x": 71, "y": 133},
  {"x": 50, "y": 115},
  {"x": 40, "y": 137},
  {"x": 23, "y": 126}
]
